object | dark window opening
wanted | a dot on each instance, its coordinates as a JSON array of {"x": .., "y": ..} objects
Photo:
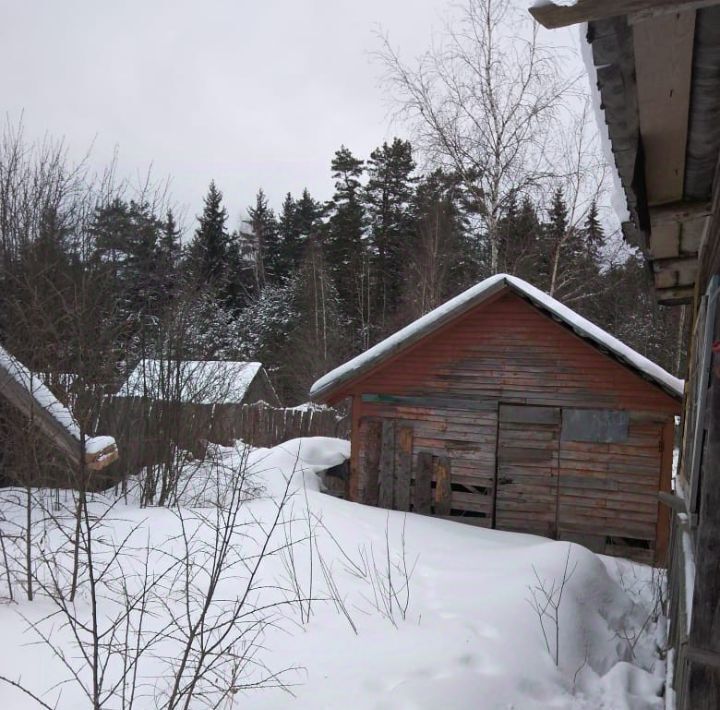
[
  {"x": 464, "y": 488},
  {"x": 635, "y": 542},
  {"x": 467, "y": 513},
  {"x": 601, "y": 426}
]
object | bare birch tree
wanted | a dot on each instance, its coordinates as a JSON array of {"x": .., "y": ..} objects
[{"x": 482, "y": 103}]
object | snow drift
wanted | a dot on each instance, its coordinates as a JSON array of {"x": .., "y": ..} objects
[{"x": 464, "y": 635}]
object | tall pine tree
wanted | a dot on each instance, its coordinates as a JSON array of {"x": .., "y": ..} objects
[{"x": 444, "y": 259}]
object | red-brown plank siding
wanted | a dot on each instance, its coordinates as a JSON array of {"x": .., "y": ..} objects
[{"x": 506, "y": 350}]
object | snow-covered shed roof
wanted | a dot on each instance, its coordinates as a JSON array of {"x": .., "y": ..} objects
[
  {"x": 197, "y": 381},
  {"x": 474, "y": 296},
  {"x": 27, "y": 393}
]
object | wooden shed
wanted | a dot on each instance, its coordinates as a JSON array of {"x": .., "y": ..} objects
[{"x": 505, "y": 409}]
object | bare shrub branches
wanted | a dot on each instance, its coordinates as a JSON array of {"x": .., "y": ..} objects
[{"x": 546, "y": 598}]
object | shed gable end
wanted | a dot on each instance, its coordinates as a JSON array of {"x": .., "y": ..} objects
[{"x": 509, "y": 349}]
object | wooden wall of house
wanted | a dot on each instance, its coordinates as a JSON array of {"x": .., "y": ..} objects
[{"x": 488, "y": 392}]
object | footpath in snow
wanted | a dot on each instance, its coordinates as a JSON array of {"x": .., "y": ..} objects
[{"x": 319, "y": 603}]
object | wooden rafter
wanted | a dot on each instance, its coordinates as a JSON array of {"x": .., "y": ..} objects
[
  {"x": 663, "y": 67},
  {"x": 676, "y": 295}
]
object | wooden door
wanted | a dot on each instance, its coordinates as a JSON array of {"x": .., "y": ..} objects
[{"x": 526, "y": 486}]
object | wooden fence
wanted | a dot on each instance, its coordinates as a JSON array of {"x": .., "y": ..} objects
[
  {"x": 262, "y": 425},
  {"x": 146, "y": 430}
]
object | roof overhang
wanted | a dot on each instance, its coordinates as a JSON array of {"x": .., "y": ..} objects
[
  {"x": 18, "y": 387},
  {"x": 658, "y": 73},
  {"x": 552, "y": 16}
]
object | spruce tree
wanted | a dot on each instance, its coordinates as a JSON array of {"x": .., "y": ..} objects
[
  {"x": 168, "y": 256},
  {"x": 520, "y": 248},
  {"x": 344, "y": 236},
  {"x": 307, "y": 213},
  {"x": 555, "y": 247},
  {"x": 388, "y": 196},
  {"x": 209, "y": 248},
  {"x": 240, "y": 280},
  {"x": 289, "y": 241},
  {"x": 267, "y": 244},
  {"x": 594, "y": 235},
  {"x": 169, "y": 242},
  {"x": 126, "y": 236},
  {"x": 444, "y": 259}
]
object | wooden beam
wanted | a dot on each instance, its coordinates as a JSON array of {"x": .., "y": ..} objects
[
  {"x": 433, "y": 401},
  {"x": 443, "y": 486},
  {"x": 674, "y": 263},
  {"x": 662, "y": 527},
  {"x": 703, "y": 657},
  {"x": 663, "y": 69},
  {"x": 672, "y": 501},
  {"x": 677, "y": 230},
  {"x": 102, "y": 459},
  {"x": 552, "y": 16},
  {"x": 680, "y": 211},
  {"x": 675, "y": 296},
  {"x": 403, "y": 467},
  {"x": 422, "y": 491}
]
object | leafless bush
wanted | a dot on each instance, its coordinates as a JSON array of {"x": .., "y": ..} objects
[
  {"x": 182, "y": 624},
  {"x": 638, "y": 588},
  {"x": 546, "y": 599},
  {"x": 228, "y": 604},
  {"x": 387, "y": 575}
]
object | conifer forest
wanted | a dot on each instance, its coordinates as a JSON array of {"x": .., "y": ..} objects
[
  {"x": 94, "y": 280},
  {"x": 503, "y": 172}
]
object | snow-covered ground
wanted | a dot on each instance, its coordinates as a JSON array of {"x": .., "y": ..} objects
[{"x": 395, "y": 611}]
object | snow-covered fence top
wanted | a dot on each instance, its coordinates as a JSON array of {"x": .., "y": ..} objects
[{"x": 474, "y": 296}]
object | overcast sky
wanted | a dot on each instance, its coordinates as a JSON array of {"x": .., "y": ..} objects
[{"x": 249, "y": 93}]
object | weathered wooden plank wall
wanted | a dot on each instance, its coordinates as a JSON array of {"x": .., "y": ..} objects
[
  {"x": 403, "y": 467},
  {"x": 449, "y": 387}
]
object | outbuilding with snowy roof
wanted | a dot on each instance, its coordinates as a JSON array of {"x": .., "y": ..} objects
[
  {"x": 504, "y": 408},
  {"x": 202, "y": 382},
  {"x": 168, "y": 403}
]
